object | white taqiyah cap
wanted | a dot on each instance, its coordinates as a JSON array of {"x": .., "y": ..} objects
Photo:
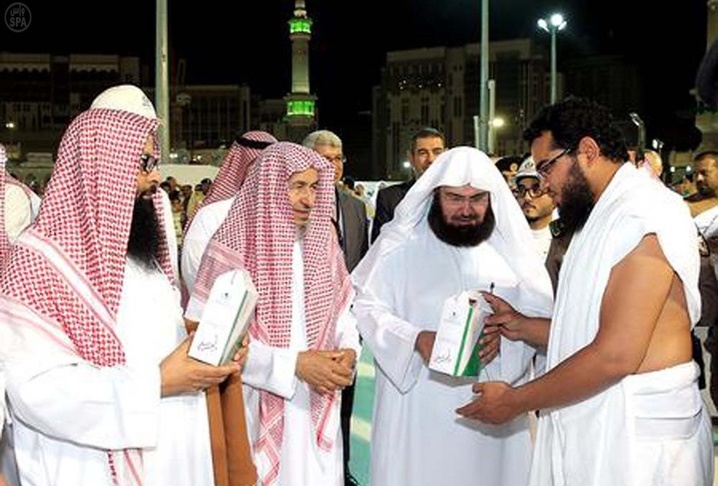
[
  {"x": 125, "y": 97},
  {"x": 527, "y": 169}
]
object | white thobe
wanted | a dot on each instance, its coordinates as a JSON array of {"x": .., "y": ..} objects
[
  {"x": 67, "y": 412},
  {"x": 8, "y": 468},
  {"x": 18, "y": 211},
  {"x": 707, "y": 224},
  {"x": 204, "y": 225},
  {"x": 272, "y": 369},
  {"x": 542, "y": 241},
  {"x": 417, "y": 437}
]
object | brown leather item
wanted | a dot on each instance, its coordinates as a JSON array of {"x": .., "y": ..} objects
[{"x": 231, "y": 454}]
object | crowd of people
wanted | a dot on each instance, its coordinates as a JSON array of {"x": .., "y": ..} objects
[{"x": 596, "y": 273}]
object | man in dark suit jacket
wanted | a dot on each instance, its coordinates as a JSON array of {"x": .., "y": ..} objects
[
  {"x": 351, "y": 224},
  {"x": 426, "y": 144},
  {"x": 352, "y": 228}
]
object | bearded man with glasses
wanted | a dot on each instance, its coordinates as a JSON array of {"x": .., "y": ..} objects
[
  {"x": 458, "y": 229},
  {"x": 92, "y": 339},
  {"x": 619, "y": 401}
]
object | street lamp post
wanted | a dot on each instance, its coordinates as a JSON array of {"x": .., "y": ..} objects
[
  {"x": 494, "y": 124},
  {"x": 484, "y": 81},
  {"x": 11, "y": 128},
  {"x": 162, "y": 101},
  {"x": 555, "y": 23}
]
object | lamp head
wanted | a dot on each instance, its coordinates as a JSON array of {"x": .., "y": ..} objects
[{"x": 557, "y": 21}]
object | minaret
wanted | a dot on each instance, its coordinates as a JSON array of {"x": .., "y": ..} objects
[{"x": 300, "y": 102}]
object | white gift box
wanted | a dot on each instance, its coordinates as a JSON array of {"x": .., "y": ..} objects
[
  {"x": 226, "y": 316},
  {"x": 456, "y": 346}
]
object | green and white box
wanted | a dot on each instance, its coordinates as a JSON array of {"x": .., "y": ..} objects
[
  {"x": 456, "y": 347},
  {"x": 225, "y": 318}
]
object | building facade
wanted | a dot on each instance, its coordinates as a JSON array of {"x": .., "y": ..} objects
[{"x": 439, "y": 87}]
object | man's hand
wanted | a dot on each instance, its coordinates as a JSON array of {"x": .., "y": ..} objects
[
  {"x": 425, "y": 344},
  {"x": 515, "y": 326},
  {"x": 324, "y": 371},
  {"x": 495, "y": 403},
  {"x": 182, "y": 374},
  {"x": 489, "y": 344},
  {"x": 504, "y": 316},
  {"x": 348, "y": 358},
  {"x": 240, "y": 357}
]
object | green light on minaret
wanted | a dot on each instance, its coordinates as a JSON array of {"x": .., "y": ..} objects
[
  {"x": 300, "y": 25},
  {"x": 305, "y": 108}
]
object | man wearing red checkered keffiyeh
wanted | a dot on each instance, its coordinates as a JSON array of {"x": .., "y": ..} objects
[
  {"x": 18, "y": 207},
  {"x": 214, "y": 208},
  {"x": 91, "y": 335},
  {"x": 304, "y": 341}
]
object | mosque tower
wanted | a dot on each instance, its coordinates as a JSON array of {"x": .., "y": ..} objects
[{"x": 301, "y": 114}]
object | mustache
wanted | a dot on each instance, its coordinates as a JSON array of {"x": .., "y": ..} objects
[{"x": 463, "y": 217}]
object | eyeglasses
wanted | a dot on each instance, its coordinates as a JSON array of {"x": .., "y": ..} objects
[
  {"x": 452, "y": 199},
  {"x": 149, "y": 162},
  {"x": 544, "y": 167},
  {"x": 534, "y": 191},
  {"x": 337, "y": 159}
]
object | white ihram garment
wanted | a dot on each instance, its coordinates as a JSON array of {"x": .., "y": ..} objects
[
  {"x": 648, "y": 429},
  {"x": 67, "y": 412}
]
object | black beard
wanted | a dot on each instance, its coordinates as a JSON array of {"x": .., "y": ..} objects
[
  {"x": 144, "y": 241},
  {"x": 576, "y": 201},
  {"x": 462, "y": 236},
  {"x": 706, "y": 191}
]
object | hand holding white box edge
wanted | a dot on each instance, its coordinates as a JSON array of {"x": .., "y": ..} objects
[
  {"x": 446, "y": 339},
  {"x": 240, "y": 319}
]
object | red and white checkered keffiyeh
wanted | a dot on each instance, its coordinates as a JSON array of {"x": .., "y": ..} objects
[
  {"x": 234, "y": 168},
  {"x": 68, "y": 268},
  {"x": 4, "y": 242},
  {"x": 258, "y": 235},
  {"x": 7, "y": 179}
]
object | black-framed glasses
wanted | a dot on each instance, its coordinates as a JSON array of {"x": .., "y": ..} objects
[
  {"x": 544, "y": 167},
  {"x": 149, "y": 162},
  {"x": 336, "y": 159},
  {"x": 536, "y": 190}
]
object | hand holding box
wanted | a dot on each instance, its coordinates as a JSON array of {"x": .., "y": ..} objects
[
  {"x": 226, "y": 316},
  {"x": 456, "y": 347}
]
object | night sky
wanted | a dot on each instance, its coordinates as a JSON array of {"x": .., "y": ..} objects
[{"x": 351, "y": 39}]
